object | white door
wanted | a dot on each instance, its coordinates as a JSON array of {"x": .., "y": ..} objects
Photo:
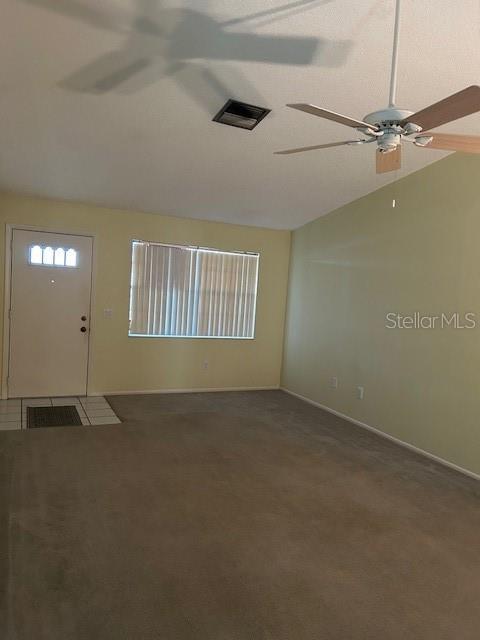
[{"x": 49, "y": 314}]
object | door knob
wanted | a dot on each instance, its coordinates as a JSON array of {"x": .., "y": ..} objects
[{"x": 83, "y": 329}]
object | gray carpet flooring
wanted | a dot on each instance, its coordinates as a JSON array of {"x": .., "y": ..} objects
[{"x": 232, "y": 516}]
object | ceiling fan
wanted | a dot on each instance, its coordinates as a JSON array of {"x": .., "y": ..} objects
[{"x": 392, "y": 126}]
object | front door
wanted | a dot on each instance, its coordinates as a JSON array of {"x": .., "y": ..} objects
[{"x": 49, "y": 314}]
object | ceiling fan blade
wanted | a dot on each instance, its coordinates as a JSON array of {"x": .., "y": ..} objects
[
  {"x": 389, "y": 161},
  {"x": 331, "y": 115},
  {"x": 453, "y": 142},
  {"x": 320, "y": 146},
  {"x": 455, "y": 106}
]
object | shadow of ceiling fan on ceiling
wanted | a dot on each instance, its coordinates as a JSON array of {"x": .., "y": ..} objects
[{"x": 186, "y": 44}]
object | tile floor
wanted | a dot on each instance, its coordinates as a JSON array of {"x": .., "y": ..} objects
[{"x": 92, "y": 410}]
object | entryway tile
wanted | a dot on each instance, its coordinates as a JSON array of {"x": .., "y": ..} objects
[
  {"x": 7, "y": 409},
  {"x": 36, "y": 402},
  {"x": 94, "y": 401},
  {"x": 57, "y": 402},
  {"x": 14, "y": 416},
  {"x": 91, "y": 409},
  {"x": 10, "y": 426},
  {"x": 99, "y": 413},
  {"x": 104, "y": 420}
]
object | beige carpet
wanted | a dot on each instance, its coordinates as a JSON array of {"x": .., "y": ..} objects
[{"x": 232, "y": 517}]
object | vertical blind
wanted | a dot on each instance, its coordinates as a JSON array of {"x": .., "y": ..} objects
[{"x": 191, "y": 292}]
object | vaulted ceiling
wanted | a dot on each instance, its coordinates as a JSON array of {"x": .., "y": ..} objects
[{"x": 111, "y": 102}]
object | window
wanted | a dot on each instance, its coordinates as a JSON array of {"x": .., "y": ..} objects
[
  {"x": 36, "y": 255},
  {"x": 50, "y": 257},
  {"x": 192, "y": 292}
]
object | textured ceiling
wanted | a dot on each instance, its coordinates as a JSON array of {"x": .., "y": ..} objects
[{"x": 111, "y": 102}]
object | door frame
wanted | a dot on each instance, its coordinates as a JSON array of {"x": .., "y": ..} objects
[{"x": 9, "y": 229}]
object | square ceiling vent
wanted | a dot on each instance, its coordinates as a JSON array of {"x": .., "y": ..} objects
[{"x": 240, "y": 114}]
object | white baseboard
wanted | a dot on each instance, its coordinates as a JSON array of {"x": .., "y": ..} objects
[
  {"x": 402, "y": 443},
  {"x": 131, "y": 392}
]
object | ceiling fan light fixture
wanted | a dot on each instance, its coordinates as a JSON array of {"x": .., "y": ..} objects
[
  {"x": 388, "y": 142},
  {"x": 411, "y": 127},
  {"x": 423, "y": 141}
]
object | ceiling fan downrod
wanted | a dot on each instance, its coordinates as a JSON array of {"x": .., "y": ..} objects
[{"x": 393, "y": 76}]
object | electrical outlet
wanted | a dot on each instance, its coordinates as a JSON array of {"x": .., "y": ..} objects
[
  {"x": 334, "y": 383},
  {"x": 205, "y": 364},
  {"x": 107, "y": 314},
  {"x": 360, "y": 392}
]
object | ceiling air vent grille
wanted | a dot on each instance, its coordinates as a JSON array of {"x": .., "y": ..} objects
[{"x": 240, "y": 114}]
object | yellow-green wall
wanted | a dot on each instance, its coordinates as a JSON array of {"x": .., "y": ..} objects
[
  {"x": 355, "y": 265},
  {"x": 120, "y": 363}
]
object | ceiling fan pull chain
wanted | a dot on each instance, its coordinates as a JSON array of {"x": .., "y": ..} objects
[{"x": 393, "y": 78}]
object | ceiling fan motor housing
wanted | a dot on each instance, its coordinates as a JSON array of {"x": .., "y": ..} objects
[
  {"x": 391, "y": 131},
  {"x": 387, "y": 117}
]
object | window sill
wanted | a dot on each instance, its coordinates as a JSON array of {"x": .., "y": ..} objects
[{"x": 145, "y": 335}]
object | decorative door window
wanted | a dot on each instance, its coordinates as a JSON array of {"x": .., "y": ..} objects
[{"x": 52, "y": 256}]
